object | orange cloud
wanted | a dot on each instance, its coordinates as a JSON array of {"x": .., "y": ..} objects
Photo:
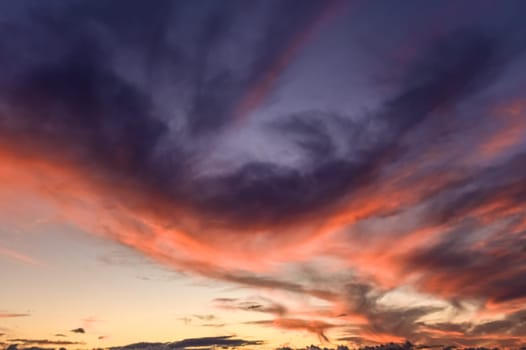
[{"x": 510, "y": 123}]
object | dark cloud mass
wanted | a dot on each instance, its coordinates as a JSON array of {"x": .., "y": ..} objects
[
  {"x": 113, "y": 128},
  {"x": 222, "y": 341},
  {"x": 182, "y": 128}
]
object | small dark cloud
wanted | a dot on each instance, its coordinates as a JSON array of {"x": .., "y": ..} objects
[
  {"x": 142, "y": 345},
  {"x": 78, "y": 330},
  {"x": 44, "y": 341},
  {"x": 15, "y": 347}
]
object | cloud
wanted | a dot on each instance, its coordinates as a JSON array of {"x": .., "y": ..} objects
[
  {"x": 418, "y": 191},
  {"x": 44, "y": 342},
  {"x": 208, "y": 317},
  {"x": 222, "y": 341},
  {"x": 214, "y": 341},
  {"x": 12, "y": 315},
  {"x": 205, "y": 320},
  {"x": 256, "y": 305},
  {"x": 314, "y": 326},
  {"x": 14, "y": 255},
  {"x": 15, "y": 347},
  {"x": 513, "y": 324},
  {"x": 215, "y": 325}
]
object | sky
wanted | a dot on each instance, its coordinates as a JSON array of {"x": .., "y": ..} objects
[{"x": 262, "y": 174}]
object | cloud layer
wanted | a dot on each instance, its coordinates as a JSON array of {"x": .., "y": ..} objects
[{"x": 162, "y": 136}]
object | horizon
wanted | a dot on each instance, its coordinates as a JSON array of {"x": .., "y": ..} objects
[{"x": 263, "y": 174}]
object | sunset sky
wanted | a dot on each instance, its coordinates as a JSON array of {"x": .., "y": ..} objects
[{"x": 260, "y": 174}]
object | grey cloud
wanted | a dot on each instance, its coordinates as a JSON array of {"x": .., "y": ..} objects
[{"x": 222, "y": 341}]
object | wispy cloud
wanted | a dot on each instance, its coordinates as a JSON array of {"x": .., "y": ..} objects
[
  {"x": 221, "y": 341},
  {"x": 19, "y": 257},
  {"x": 13, "y": 315}
]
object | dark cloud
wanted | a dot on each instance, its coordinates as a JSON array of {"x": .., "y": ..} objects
[
  {"x": 14, "y": 347},
  {"x": 205, "y": 320},
  {"x": 514, "y": 324},
  {"x": 275, "y": 193},
  {"x": 78, "y": 330},
  {"x": 44, "y": 341},
  {"x": 222, "y": 341},
  {"x": 229, "y": 341},
  {"x": 364, "y": 299},
  {"x": 263, "y": 305},
  {"x": 493, "y": 270},
  {"x": 111, "y": 125}
]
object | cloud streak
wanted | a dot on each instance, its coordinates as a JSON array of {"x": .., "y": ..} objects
[
  {"x": 13, "y": 315},
  {"x": 221, "y": 341},
  {"x": 19, "y": 257}
]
